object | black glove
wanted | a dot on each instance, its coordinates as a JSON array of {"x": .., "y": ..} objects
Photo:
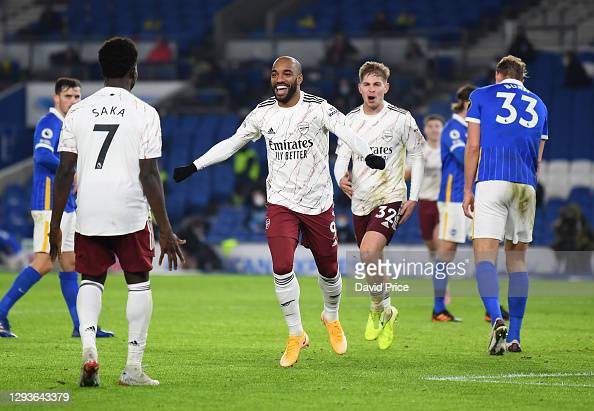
[
  {"x": 375, "y": 162},
  {"x": 183, "y": 172}
]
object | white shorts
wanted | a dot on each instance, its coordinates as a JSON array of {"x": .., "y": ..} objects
[
  {"x": 41, "y": 220},
  {"x": 503, "y": 209},
  {"x": 454, "y": 226}
]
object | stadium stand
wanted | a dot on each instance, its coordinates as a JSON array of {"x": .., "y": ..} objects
[{"x": 187, "y": 135}]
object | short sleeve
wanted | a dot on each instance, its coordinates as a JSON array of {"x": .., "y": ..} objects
[
  {"x": 68, "y": 140},
  {"x": 151, "y": 139},
  {"x": 47, "y": 135},
  {"x": 453, "y": 139},
  {"x": 545, "y": 128},
  {"x": 474, "y": 111}
]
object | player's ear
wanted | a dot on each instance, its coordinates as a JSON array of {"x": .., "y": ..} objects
[
  {"x": 387, "y": 87},
  {"x": 133, "y": 76},
  {"x": 56, "y": 99},
  {"x": 360, "y": 88}
]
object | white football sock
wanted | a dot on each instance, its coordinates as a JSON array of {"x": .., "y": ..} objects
[
  {"x": 287, "y": 291},
  {"x": 331, "y": 290},
  {"x": 88, "y": 307},
  {"x": 138, "y": 312},
  {"x": 386, "y": 301}
]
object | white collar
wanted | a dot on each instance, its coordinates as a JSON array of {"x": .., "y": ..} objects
[
  {"x": 301, "y": 95},
  {"x": 459, "y": 119},
  {"x": 56, "y": 113},
  {"x": 512, "y": 81},
  {"x": 384, "y": 108}
]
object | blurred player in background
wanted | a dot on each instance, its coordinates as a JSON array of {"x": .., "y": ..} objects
[
  {"x": 378, "y": 198},
  {"x": 12, "y": 255},
  {"x": 506, "y": 138},
  {"x": 428, "y": 212},
  {"x": 67, "y": 92},
  {"x": 113, "y": 140},
  {"x": 299, "y": 192},
  {"x": 453, "y": 227}
]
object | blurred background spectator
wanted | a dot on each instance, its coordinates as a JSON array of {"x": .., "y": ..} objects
[{"x": 205, "y": 71}]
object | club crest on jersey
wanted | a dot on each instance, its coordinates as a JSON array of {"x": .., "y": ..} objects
[
  {"x": 303, "y": 127},
  {"x": 388, "y": 135}
]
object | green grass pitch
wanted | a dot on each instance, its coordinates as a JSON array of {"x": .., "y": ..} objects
[{"x": 215, "y": 343}]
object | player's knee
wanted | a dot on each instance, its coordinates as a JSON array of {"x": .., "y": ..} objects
[
  {"x": 446, "y": 250},
  {"x": 369, "y": 253},
  {"x": 327, "y": 266},
  {"x": 67, "y": 262},
  {"x": 42, "y": 263},
  {"x": 136, "y": 278},
  {"x": 282, "y": 267}
]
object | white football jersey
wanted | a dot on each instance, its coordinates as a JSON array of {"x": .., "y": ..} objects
[
  {"x": 111, "y": 130},
  {"x": 432, "y": 176},
  {"x": 297, "y": 143},
  {"x": 391, "y": 133}
]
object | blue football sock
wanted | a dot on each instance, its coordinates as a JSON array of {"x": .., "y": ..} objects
[
  {"x": 517, "y": 297},
  {"x": 488, "y": 286},
  {"x": 69, "y": 285},
  {"x": 22, "y": 283},
  {"x": 440, "y": 285}
]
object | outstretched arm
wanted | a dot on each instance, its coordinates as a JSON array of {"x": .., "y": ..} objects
[
  {"x": 248, "y": 131},
  {"x": 335, "y": 121},
  {"x": 219, "y": 152}
]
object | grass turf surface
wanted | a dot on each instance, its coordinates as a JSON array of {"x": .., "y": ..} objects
[{"x": 215, "y": 342}]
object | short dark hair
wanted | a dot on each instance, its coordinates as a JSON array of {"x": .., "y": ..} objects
[
  {"x": 64, "y": 83},
  {"x": 431, "y": 117},
  {"x": 512, "y": 67},
  {"x": 117, "y": 56},
  {"x": 462, "y": 96}
]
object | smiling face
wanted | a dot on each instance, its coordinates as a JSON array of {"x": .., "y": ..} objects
[
  {"x": 285, "y": 80},
  {"x": 373, "y": 87}
]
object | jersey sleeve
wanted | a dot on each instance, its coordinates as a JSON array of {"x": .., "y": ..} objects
[
  {"x": 411, "y": 136},
  {"x": 414, "y": 142},
  {"x": 151, "y": 139},
  {"x": 47, "y": 135},
  {"x": 453, "y": 140},
  {"x": 334, "y": 121},
  {"x": 343, "y": 151},
  {"x": 545, "y": 127},
  {"x": 67, "y": 137},
  {"x": 248, "y": 131},
  {"x": 474, "y": 111},
  {"x": 250, "y": 127}
]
